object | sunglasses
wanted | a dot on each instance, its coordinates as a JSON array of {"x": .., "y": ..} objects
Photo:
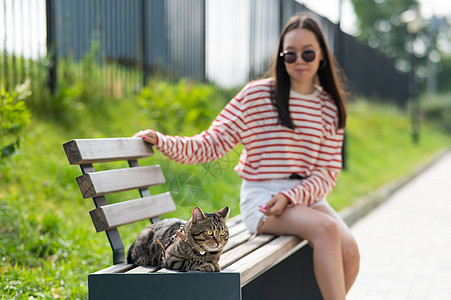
[{"x": 290, "y": 57}]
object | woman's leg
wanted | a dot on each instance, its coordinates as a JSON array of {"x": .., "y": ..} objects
[
  {"x": 323, "y": 233},
  {"x": 349, "y": 248}
]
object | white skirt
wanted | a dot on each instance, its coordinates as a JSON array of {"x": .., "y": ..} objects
[{"x": 255, "y": 193}]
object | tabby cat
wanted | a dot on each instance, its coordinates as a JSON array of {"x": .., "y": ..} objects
[{"x": 193, "y": 245}]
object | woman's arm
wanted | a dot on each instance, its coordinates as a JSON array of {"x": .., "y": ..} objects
[
  {"x": 324, "y": 175},
  {"x": 222, "y": 136}
]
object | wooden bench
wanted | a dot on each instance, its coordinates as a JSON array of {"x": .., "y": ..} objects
[{"x": 262, "y": 267}]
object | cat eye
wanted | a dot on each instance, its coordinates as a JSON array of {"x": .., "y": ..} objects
[
  {"x": 223, "y": 233},
  {"x": 209, "y": 232}
]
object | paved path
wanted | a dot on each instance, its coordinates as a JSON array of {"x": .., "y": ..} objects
[{"x": 405, "y": 243}]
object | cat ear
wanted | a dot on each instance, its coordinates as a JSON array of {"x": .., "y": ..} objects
[
  {"x": 198, "y": 215},
  {"x": 223, "y": 212}
]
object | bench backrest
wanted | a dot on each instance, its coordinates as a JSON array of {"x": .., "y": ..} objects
[{"x": 107, "y": 217}]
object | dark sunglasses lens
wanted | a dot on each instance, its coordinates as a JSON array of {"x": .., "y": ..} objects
[
  {"x": 308, "y": 56},
  {"x": 289, "y": 57}
]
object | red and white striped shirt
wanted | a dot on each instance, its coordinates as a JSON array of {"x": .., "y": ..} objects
[{"x": 270, "y": 150}]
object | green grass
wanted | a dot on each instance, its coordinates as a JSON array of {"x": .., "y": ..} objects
[
  {"x": 380, "y": 148},
  {"x": 48, "y": 242}
]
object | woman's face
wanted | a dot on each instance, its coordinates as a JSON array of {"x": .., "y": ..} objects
[{"x": 300, "y": 71}]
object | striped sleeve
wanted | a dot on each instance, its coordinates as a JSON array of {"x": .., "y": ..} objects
[{"x": 222, "y": 136}]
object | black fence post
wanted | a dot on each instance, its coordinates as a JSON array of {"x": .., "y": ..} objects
[
  {"x": 344, "y": 152},
  {"x": 340, "y": 55},
  {"x": 51, "y": 45},
  {"x": 144, "y": 41},
  {"x": 204, "y": 48},
  {"x": 414, "y": 104},
  {"x": 5, "y": 65}
]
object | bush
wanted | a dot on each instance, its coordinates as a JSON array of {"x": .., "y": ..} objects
[
  {"x": 14, "y": 117},
  {"x": 184, "y": 107},
  {"x": 80, "y": 87},
  {"x": 436, "y": 109}
]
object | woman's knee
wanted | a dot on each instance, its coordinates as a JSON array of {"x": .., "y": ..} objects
[
  {"x": 327, "y": 231},
  {"x": 351, "y": 254}
]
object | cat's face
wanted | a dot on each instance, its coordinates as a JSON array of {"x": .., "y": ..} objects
[{"x": 209, "y": 231}]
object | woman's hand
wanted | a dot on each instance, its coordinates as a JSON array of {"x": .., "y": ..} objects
[
  {"x": 275, "y": 206},
  {"x": 148, "y": 135}
]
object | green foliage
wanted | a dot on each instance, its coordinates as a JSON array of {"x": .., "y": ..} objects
[
  {"x": 83, "y": 81},
  {"x": 182, "y": 107},
  {"x": 436, "y": 109},
  {"x": 444, "y": 73},
  {"x": 380, "y": 149},
  {"x": 43, "y": 241},
  {"x": 37, "y": 255},
  {"x": 14, "y": 117},
  {"x": 396, "y": 29},
  {"x": 80, "y": 87},
  {"x": 381, "y": 26}
]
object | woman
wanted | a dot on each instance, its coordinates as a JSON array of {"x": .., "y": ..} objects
[{"x": 291, "y": 130}]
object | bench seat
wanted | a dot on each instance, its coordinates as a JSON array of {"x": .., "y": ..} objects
[
  {"x": 239, "y": 255},
  {"x": 245, "y": 258}
]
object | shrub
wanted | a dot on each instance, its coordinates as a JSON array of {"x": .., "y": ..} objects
[
  {"x": 14, "y": 117},
  {"x": 437, "y": 110},
  {"x": 184, "y": 107}
]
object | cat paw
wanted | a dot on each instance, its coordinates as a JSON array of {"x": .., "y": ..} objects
[
  {"x": 217, "y": 267},
  {"x": 206, "y": 267},
  {"x": 140, "y": 262}
]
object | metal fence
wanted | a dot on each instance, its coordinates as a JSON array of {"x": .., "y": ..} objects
[
  {"x": 21, "y": 51},
  {"x": 226, "y": 42}
]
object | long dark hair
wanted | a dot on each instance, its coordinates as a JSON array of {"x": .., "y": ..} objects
[{"x": 328, "y": 72}]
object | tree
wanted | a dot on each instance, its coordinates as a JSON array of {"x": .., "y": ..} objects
[
  {"x": 396, "y": 28},
  {"x": 381, "y": 25}
]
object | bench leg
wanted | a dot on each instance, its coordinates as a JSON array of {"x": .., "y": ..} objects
[{"x": 292, "y": 278}]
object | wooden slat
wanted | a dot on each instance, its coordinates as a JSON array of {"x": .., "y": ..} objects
[
  {"x": 237, "y": 239},
  {"x": 164, "y": 270},
  {"x": 118, "y": 268},
  {"x": 266, "y": 256},
  {"x": 242, "y": 250},
  {"x": 87, "y": 151},
  {"x": 114, "y": 215},
  {"x": 112, "y": 181},
  {"x": 237, "y": 228},
  {"x": 234, "y": 220},
  {"x": 143, "y": 269}
]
